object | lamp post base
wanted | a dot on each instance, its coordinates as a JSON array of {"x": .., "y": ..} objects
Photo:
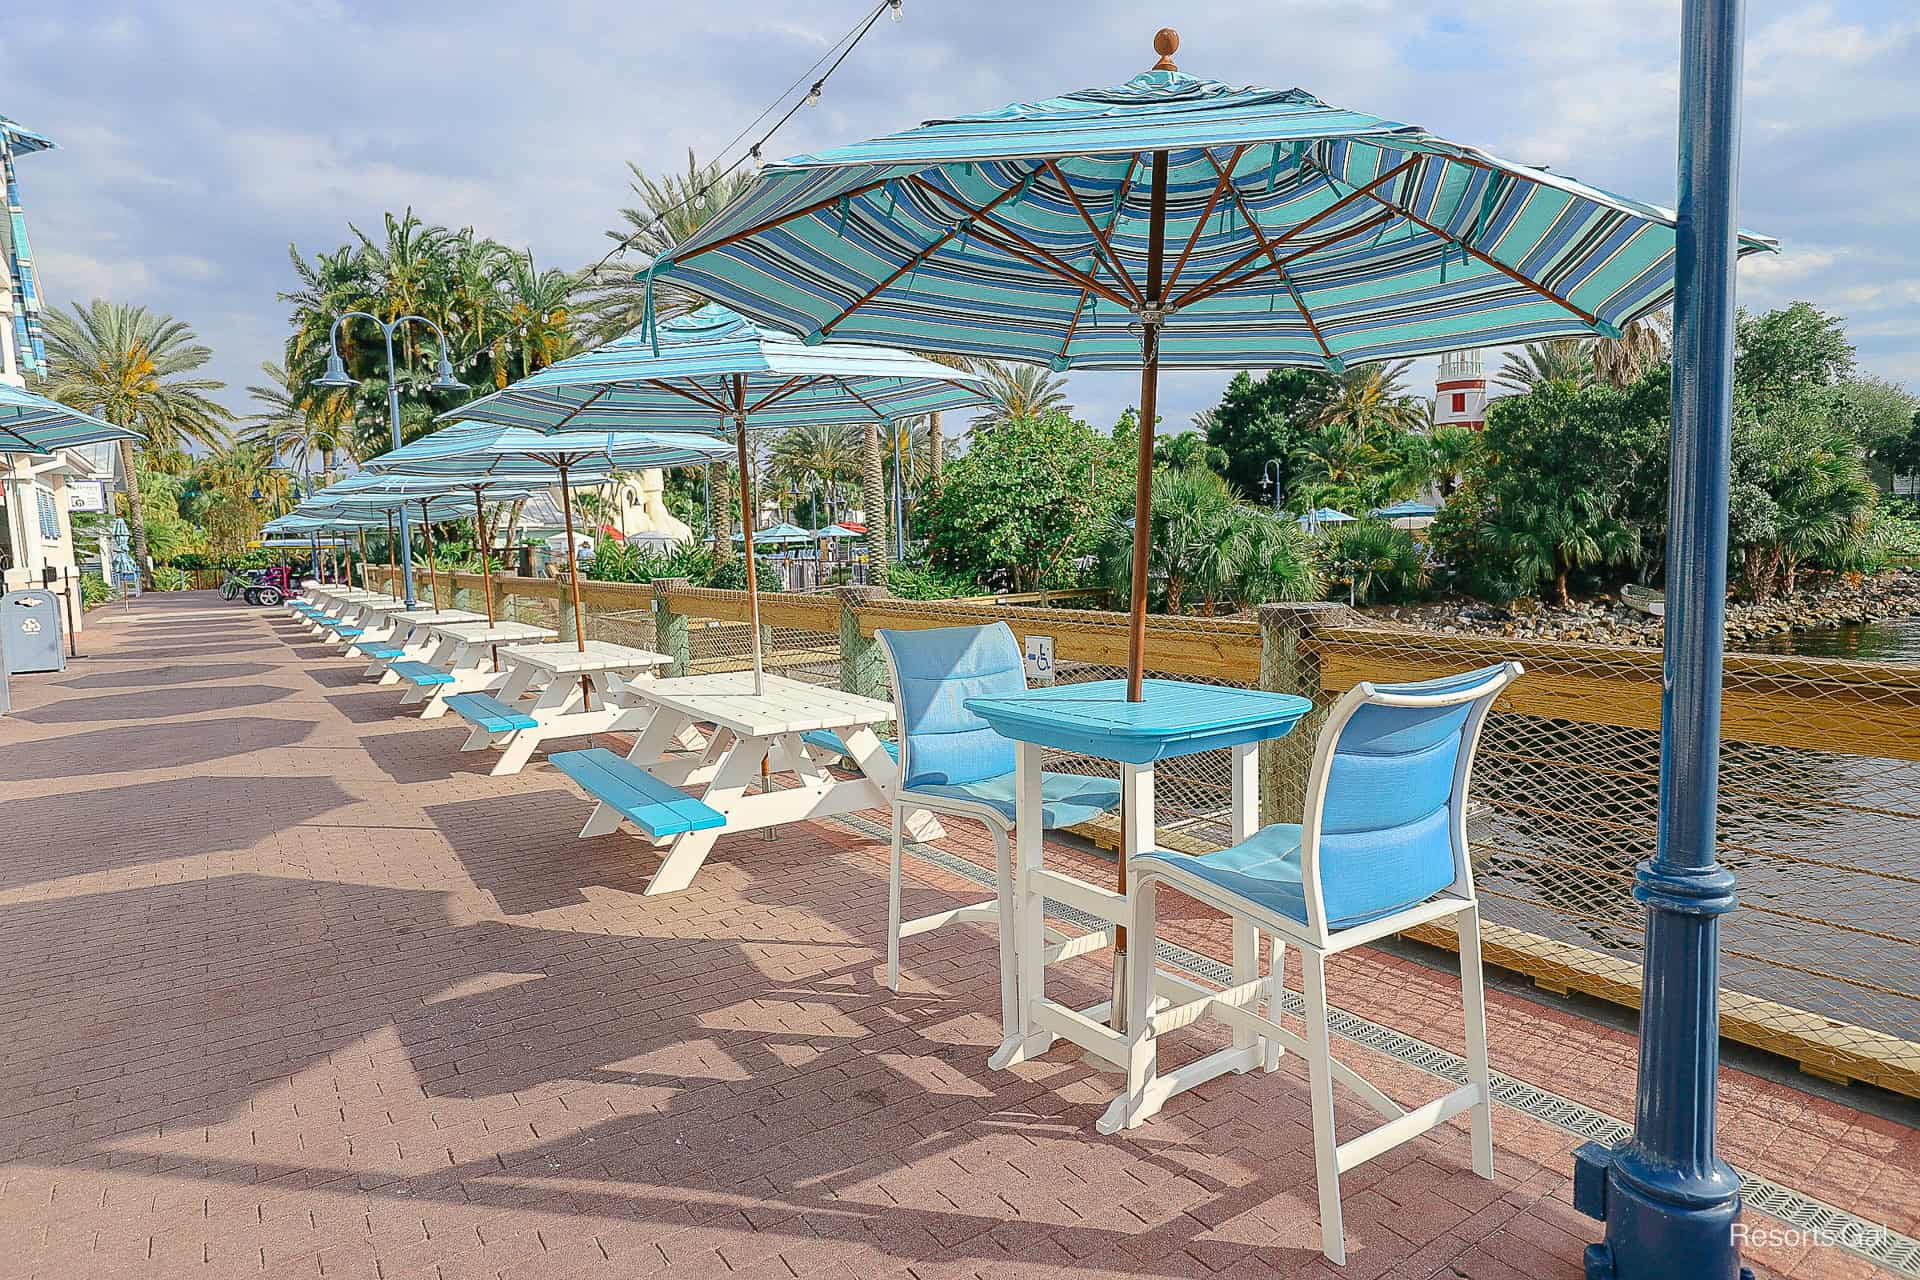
[{"x": 1659, "y": 1222}]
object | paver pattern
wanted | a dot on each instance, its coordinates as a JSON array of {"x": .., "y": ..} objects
[{"x": 289, "y": 986}]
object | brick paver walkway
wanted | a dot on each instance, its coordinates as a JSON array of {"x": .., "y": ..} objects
[{"x": 288, "y": 986}]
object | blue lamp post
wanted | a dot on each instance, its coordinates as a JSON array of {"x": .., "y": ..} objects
[
  {"x": 1270, "y": 480},
  {"x": 443, "y": 380},
  {"x": 1667, "y": 1198}
]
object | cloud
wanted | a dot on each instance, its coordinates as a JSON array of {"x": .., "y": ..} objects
[{"x": 205, "y": 138}]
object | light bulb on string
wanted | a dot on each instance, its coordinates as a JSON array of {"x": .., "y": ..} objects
[
  {"x": 897, "y": 10},
  {"x": 813, "y": 94}
]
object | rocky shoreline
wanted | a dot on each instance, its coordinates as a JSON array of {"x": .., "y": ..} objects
[{"x": 1832, "y": 602}]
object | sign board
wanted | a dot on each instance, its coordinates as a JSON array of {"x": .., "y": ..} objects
[
  {"x": 1039, "y": 659},
  {"x": 86, "y": 495}
]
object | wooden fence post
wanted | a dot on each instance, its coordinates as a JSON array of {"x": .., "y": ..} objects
[
  {"x": 1287, "y": 665},
  {"x": 670, "y": 627},
  {"x": 863, "y": 668}
]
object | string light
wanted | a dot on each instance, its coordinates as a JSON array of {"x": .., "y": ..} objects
[{"x": 837, "y": 53}]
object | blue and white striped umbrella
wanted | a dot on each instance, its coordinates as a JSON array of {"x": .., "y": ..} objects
[
  {"x": 480, "y": 451},
  {"x": 713, "y": 368},
  {"x": 1178, "y": 221},
  {"x": 32, "y": 423}
]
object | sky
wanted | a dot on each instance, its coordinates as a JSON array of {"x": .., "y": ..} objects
[{"x": 200, "y": 138}]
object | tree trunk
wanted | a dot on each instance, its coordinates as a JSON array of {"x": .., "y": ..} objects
[
  {"x": 936, "y": 451},
  {"x": 873, "y": 496},
  {"x": 1560, "y": 586},
  {"x": 136, "y": 517},
  {"x": 720, "y": 500}
]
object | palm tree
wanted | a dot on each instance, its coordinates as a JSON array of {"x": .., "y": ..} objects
[
  {"x": 820, "y": 454},
  {"x": 1621, "y": 361},
  {"x": 936, "y": 421},
  {"x": 1451, "y": 450},
  {"x": 873, "y": 499},
  {"x": 130, "y": 366},
  {"x": 1017, "y": 392},
  {"x": 1563, "y": 360},
  {"x": 1189, "y": 449},
  {"x": 671, "y": 208},
  {"x": 1370, "y": 400},
  {"x": 297, "y": 421},
  {"x": 537, "y": 324},
  {"x": 405, "y": 270}
]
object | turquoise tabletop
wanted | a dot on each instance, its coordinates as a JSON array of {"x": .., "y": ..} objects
[{"x": 1174, "y": 719}]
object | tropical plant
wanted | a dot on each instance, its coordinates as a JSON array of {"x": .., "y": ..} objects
[
  {"x": 1188, "y": 449},
  {"x": 1019, "y": 392},
  {"x": 928, "y": 582},
  {"x": 1567, "y": 361},
  {"x": 537, "y": 329},
  {"x": 670, "y": 208},
  {"x": 1451, "y": 451},
  {"x": 296, "y": 421},
  {"x": 1800, "y": 494},
  {"x": 1620, "y": 362},
  {"x": 1378, "y": 562},
  {"x": 1207, "y": 546},
  {"x": 1259, "y": 425},
  {"x": 135, "y": 368},
  {"x": 1370, "y": 401},
  {"x": 1026, "y": 501}
]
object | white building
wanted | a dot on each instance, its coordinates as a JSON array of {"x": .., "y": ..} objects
[
  {"x": 38, "y": 492},
  {"x": 1460, "y": 391}
]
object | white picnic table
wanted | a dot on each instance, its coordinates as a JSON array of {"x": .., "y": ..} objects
[
  {"x": 469, "y": 652},
  {"x": 570, "y": 691},
  {"x": 751, "y": 728},
  {"x": 412, "y": 631}
]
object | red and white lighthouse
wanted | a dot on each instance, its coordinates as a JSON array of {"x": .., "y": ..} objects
[{"x": 1460, "y": 391}]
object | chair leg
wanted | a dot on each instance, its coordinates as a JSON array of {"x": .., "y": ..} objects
[
  {"x": 1473, "y": 999},
  {"x": 1246, "y": 967},
  {"x": 893, "y": 900},
  {"x": 1006, "y": 929},
  {"x": 1276, "y": 1000},
  {"x": 1333, "y": 1242}
]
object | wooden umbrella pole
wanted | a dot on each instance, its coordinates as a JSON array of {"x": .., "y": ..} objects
[
  {"x": 393, "y": 570},
  {"x": 362, "y": 533},
  {"x": 426, "y": 532},
  {"x": 746, "y": 530},
  {"x": 573, "y": 580},
  {"x": 486, "y": 571}
]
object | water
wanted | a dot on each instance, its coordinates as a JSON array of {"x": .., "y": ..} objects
[{"x": 1897, "y": 641}]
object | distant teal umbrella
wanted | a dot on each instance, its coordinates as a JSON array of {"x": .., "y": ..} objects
[
  {"x": 1323, "y": 516},
  {"x": 1408, "y": 510},
  {"x": 479, "y": 452},
  {"x": 715, "y": 367},
  {"x": 1183, "y": 221},
  {"x": 778, "y": 535}
]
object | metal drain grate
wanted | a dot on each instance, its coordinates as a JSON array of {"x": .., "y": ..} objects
[{"x": 1818, "y": 1220}]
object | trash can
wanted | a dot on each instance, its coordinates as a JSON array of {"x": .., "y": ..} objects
[{"x": 30, "y": 635}]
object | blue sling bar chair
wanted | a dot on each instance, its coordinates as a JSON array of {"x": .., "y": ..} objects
[
  {"x": 953, "y": 763},
  {"x": 1381, "y": 847}
]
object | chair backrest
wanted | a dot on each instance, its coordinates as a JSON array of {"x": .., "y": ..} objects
[
  {"x": 1385, "y": 821},
  {"x": 934, "y": 672}
]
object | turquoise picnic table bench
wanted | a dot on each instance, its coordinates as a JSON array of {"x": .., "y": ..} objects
[{"x": 658, "y": 808}]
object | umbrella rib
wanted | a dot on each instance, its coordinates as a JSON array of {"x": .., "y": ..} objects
[
  {"x": 1488, "y": 259},
  {"x": 1099, "y": 237},
  {"x": 1073, "y": 326},
  {"x": 1358, "y": 229},
  {"x": 702, "y": 401},
  {"x": 780, "y": 393},
  {"x": 582, "y": 406},
  {"x": 784, "y": 218},
  {"x": 1203, "y": 288},
  {"x": 1273, "y": 255},
  {"x": 1200, "y": 223},
  {"x": 914, "y": 262},
  {"x": 1044, "y": 258},
  {"x": 848, "y": 388}
]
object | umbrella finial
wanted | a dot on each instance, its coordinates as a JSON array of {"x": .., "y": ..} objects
[{"x": 1166, "y": 41}]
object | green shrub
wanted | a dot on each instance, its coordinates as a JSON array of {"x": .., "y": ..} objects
[
  {"x": 168, "y": 577},
  {"x": 94, "y": 591},
  {"x": 927, "y": 582},
  {"x": 1381, "y": 562}
]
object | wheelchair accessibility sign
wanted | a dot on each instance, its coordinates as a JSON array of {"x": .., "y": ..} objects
[{"x": 1039, "y": 659}]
